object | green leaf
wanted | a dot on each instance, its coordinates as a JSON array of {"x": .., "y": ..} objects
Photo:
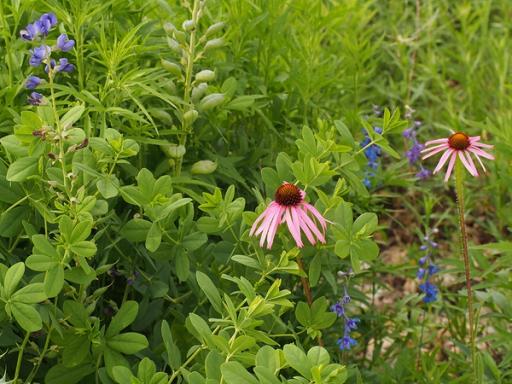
[
  {"x": 113, "y": 359},
  {"x": 22, "y": 169},
  {"x": 146, "y": 370},
  {"x": 182, "y": 266},
  {"x": 342, "y": 248},
  {"x": 60, "y": 374},
  {"x": 136, "y": 230},
  {"x": 210, "y": 290},
  {"x": 13, "y": 277},
  {"x": 365, "y": 249},
  {"x": 123, "y": 318},
  {"x": 154, "y": 237},
  {"x": 40, "y": 263},
  {"x": 128, "y": 343},
  {"x": 81, "y": 231},
  {"x": 30, "y": 294},
  {"x": 234, "y": 373},
  {"x": 54, "y": 280},
  {"x": 72, "y": 116},
  {"x": 265, "y": 376},
  {"x": 76, "y": 349},
  {"x": 42, "y": 245},
  {"x": 173, "y": 352},
  {"x": 26, "y": 316},
  {"x": 108, "y": 186},
  {"x": 122, "y": 375},
  {"x": 366, "y": 224},
  {"x": 298, "y": 360},
  {"x": 84, "y": 248},
  {"x": 318, "y": 356}
]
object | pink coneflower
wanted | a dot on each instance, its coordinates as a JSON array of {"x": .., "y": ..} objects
[
  {"x": 461, "y": 145},
  {"x": 289, "y": 206}
]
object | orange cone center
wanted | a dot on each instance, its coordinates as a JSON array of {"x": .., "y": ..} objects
[
  {"x": 288, "y": 195},
  {"x": 459, "y": 141}
]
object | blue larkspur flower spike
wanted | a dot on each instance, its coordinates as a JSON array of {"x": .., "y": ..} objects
[
  {"x": 350, "y": 324},
  {"x": 64, "y": 66},
  {"x": 346, "y": 342},
  {"x": 35, "y": 98},
  {"x": 64, "y": 44},
  {"x": 30, "y": 32},
  {"x": 32, "y": 82},
  {"x": 39, "y": 54},
  {"x": 427, "y": 270},
  {"x": 46, "y": 22}
]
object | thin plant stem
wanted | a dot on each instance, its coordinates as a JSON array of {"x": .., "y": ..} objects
[
  {"x": 20, "y": 358},
  {"x": 307, "y": 290},
  {"x": 459, "y": 187}
]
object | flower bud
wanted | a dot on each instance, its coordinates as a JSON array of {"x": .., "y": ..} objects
[
  {"x": 214, "y": 43},
  {"x": 188, "y": 25},
  {"x": 199, "y": 91},
  {"x": 161, "y": 115},
  {"x": 190, "y": 116},
  {"x": 174, "y": 150},
  {"x": 173, "y": 44},
  {"x": 211, "y": 101},
  {"x": 169, "y": 28},
  {"x": 205, "y": 76},
  {"x": 215, "y": 28},
  {"x": 171, "y": 67},
  {"x": 203, "y": 167},
  {"x": 180, "y": 36}
]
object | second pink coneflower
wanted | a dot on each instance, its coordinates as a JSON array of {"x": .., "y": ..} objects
[
  {"x": 458, "y": 145},
  {"x": 289, "y": 206}
]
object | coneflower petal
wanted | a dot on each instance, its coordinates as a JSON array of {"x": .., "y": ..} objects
[
  {"x": 482, "y": 145},
  {"x": 268, "y": 217},
  {"x": 265, "y": 227},
  {"x": 311, "y": 225},
  {"x": 273, "y": 226},
  {"x": 470, "y": 161},
  {"x": 464, "y": 161},
  {"x": 479, "y": 160},
  {"x": 428, "y": 149},
  {"x": 293, "y": 228},
  {"x": 303, "y": 226},
  {"x": 479, "y": 152},
  {"x": 436, "y": 151},
  {"x": 317, "y": 214},
  {"x": 436, "y": 141},
  {"x": 443, "y": 159},
  {"x": 450, "y": 166}
]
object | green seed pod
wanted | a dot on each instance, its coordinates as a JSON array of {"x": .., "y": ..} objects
[
  {"x": 161, "y": 115},
  {"x": 190, "y": 116},
  {"x": 180, "y": 36},
  {"x": 174, "y": 151},
  {"x": 214, "y": 43},
  {"x": 203, "y": 167},
  {"x": 173, "y": 44},
  {"x": 169, "y": 28},
  {"x": 171, "y": 67},
  {"x": 188, "y": 25},
  {"x": 211, "y": 101},
  {"x": 199, "y": 91},
  {"x": 205, "y": 76},
  {"x": 215, "y": 28}
]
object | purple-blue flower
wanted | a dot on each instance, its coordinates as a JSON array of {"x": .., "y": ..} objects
[
  {"x": 39, "y": 54},
  {"x": 64, "y": 44},
  {"x": 46, "y": 22},
  {"x": 51, "y": 65},
  {"x": 346, "y": 342},
  {"x": 338, "y": 309},
  {"x": 64, "y": 66},
  {"x": 35, "y": 98},
  {"x": 430, "y": 291},
  {"x": 30, "y": 32},
  {"x": 351, "y": 324},
  {"x": 32, "y": 82},
  {"x": 424, "y": 174},
  {"x": 420, "y": 274},
  {"x": 414, "y": 154}
]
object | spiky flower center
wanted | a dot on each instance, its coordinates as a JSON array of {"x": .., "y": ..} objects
[
  {"x": 288, "y": 195},
  {"x": 459, "y": 141}
]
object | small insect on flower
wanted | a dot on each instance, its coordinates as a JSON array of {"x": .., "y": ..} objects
[
  {"x": 458, "y": 145},
  {"x": 289, "y": 206}
]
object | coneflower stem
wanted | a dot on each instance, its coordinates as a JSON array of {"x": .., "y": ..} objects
[
  {"x": 307, "y": 290},
  {"x": 459, "y": 188}
]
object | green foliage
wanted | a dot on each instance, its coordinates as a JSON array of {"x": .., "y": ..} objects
[{"x": 127, "y": 196}]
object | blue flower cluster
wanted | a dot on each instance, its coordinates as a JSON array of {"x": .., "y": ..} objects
[
  {"x": 414, "y": 152},
  {"x": 350, "y": 324},
  {"x": 39, "y": 29},
  {"x": 372, "y": 153},
  {"x": 426, "y": 270}
]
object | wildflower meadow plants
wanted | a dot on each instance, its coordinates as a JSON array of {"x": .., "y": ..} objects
[{"x": 211, "y": 191}]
